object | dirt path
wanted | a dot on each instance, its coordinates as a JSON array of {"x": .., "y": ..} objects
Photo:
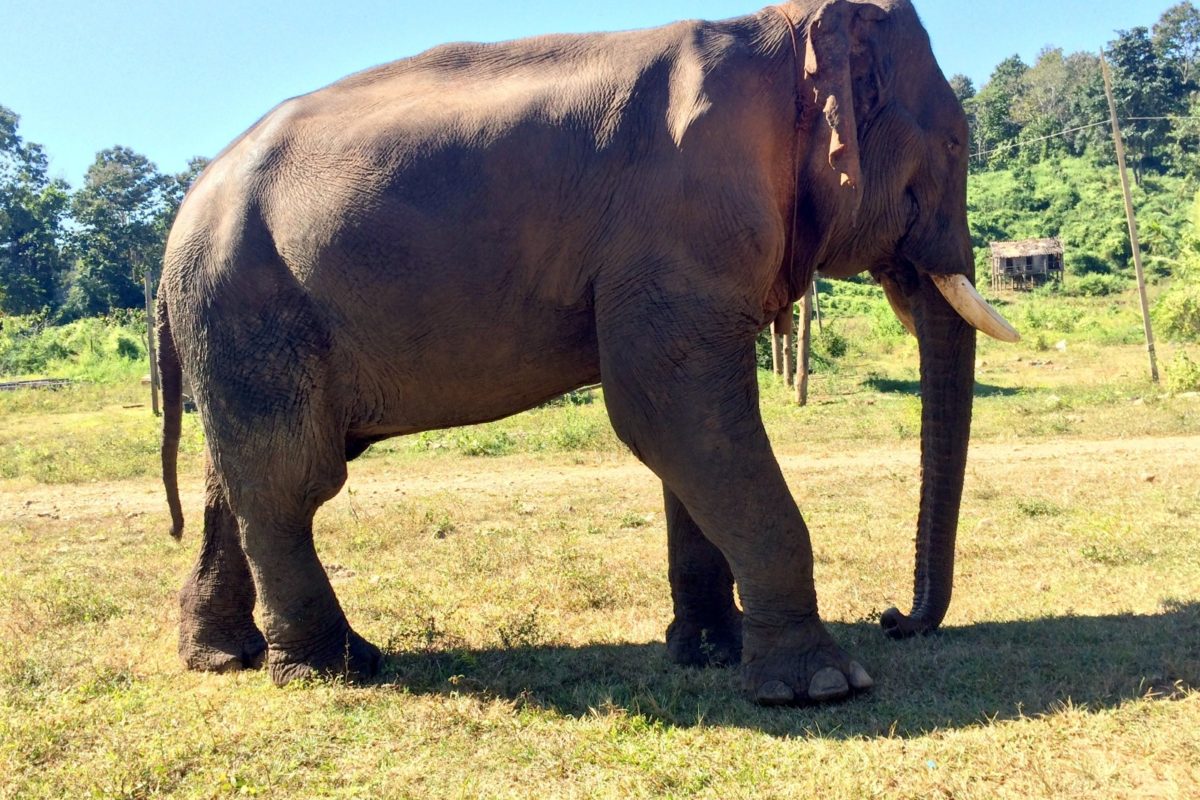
[{"x": 505, "y": 476}]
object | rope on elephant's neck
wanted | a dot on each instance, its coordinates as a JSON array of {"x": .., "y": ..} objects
[{"x": 790, "y": 246}]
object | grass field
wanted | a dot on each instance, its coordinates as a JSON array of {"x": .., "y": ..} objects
[{"x": 515, "y": 574}]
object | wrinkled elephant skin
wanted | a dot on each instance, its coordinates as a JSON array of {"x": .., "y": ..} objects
[{"x": 628, "y": 208}]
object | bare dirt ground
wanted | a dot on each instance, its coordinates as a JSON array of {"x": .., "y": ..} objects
[{"x": 1143, "y": 458}]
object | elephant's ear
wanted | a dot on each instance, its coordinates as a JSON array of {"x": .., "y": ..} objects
[{"x": 836, "y": 38}]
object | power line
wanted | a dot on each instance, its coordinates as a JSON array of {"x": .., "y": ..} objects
[{"x": 1022, "y": 142}]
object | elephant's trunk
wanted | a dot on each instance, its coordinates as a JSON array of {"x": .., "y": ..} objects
[{"x": 947, "y": 347}]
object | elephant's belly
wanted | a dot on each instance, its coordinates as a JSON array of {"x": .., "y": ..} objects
[{"x": 474, "y": 370}]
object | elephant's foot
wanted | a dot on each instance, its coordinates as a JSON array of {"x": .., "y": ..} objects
[
  {"x": 214, "y": 646},
  {"x": 798, "y": 665},
  {"x": 343, "y": 655},
  {"x": 713, "y": 642}
]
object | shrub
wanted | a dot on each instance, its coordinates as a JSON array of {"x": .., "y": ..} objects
[
  {"x": 831, "y": 343},
  {"x": 126, "y": 347},
  {"x": 1177, "y": 312},
  {"x": 885, "y": 324},
  {"x": 94, "y": 349},
  {"x": 483, "y": 441},
  {"x": 1087, "y": 264},
  {"x": 1095, "y": 285},
  {"x": 1183, "y": 375}
]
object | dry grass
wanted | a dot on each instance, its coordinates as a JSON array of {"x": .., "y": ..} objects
[{"x": 522, "y": 601}]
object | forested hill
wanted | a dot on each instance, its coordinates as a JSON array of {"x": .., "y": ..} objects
[{"x": 1043, "y": 164}]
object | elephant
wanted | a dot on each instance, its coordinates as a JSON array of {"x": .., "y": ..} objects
[{"x": 633, "y": 208}]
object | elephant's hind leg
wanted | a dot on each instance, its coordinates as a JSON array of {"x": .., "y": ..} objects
[
  {"x": 216, "y": 622},
  {"x": 275, "y": 487},
  {"x": 707, "y": 629}
]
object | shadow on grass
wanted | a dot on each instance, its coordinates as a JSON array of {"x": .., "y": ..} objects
[
  {"x": 960, "y": 678},
  {"x": 896, "y": 386}
]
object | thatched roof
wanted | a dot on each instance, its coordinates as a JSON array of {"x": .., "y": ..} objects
[{"x": 1027, "y": 247}]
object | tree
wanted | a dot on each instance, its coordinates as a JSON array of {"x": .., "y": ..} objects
[
  {"x": 175, "y": 187},
  {"x": 119, "y": 212},
  {"x": 1042, "y": 107},
  {"x": 32, "y": 209},
  {"x": 1183, "y": 149},
  {"x": 996, "y": 130},
  {"x": 1145, "y": 96},
  {"x": 1176, "y": 41},
  {"x": 1087, "y": 108},
  {"x": 964, "y": 88}
]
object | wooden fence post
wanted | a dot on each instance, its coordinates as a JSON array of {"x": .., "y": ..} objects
[
  {"x": 806, "y": 314},
  {"x": 784, "y": 327},
  {"x": 776, "y": 348}
]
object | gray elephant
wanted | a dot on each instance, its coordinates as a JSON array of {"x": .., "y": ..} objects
[{"x": 632, "y": 209}]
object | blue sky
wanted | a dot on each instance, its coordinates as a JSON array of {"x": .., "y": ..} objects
[{"x": 183, "y": 78}]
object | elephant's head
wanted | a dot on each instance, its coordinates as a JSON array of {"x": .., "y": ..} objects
[{"x": 887, "y": 140}]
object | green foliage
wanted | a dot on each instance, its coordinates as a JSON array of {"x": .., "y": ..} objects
[
  {"x": 1182, "y": 374},
  {"x": 1080, "y": 202},
  {"x": 92, "y": 349},
  {"x": 479, "y": 441},
  {"x": 885, "y": 325},
  {"x": 831, "y": 344},
  {"x": 995, "y": 128},
  {"x": 1146, "y": 91},
  {"x": 120, "y": 234},
  {"x": 1177, "y": 313},
  {"x": 83, "y": 253},
  {"x": 559, "y": 428},
  {"x": 1095, "y": 285},
  {"x": 32, "y": 209},
  {"x": 1047, "y": 316}
]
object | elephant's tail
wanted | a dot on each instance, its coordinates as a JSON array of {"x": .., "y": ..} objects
[{"x": 172, "y": 388}]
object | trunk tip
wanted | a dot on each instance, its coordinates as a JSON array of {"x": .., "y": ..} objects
[{"x": 898, "y": 625}]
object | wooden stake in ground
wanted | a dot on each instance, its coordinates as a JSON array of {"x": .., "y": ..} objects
[
  {"x": 150, "y": 349},
  {"x": 817, "y": 315},
  {"x": 776, "y": 347},
  {"x": 787, "y": 327},
  {"x": 781, "y": 327},
  {"x": 1130, "y": 218},
  {"x": 806, "y": 315}
]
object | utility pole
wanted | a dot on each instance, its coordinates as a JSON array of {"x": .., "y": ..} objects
[{"x": 1130, "y": 218}]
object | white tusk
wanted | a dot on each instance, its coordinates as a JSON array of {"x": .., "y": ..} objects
[
  {"x": 899, "y": 303},
  {"x": 963, "y": 298}
]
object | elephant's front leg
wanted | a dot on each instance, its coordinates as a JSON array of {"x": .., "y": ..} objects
[
  {"x": 707, "y": 629},
  {"x": 216, "y": 622},
  {"x": 682, "y": 393}
]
